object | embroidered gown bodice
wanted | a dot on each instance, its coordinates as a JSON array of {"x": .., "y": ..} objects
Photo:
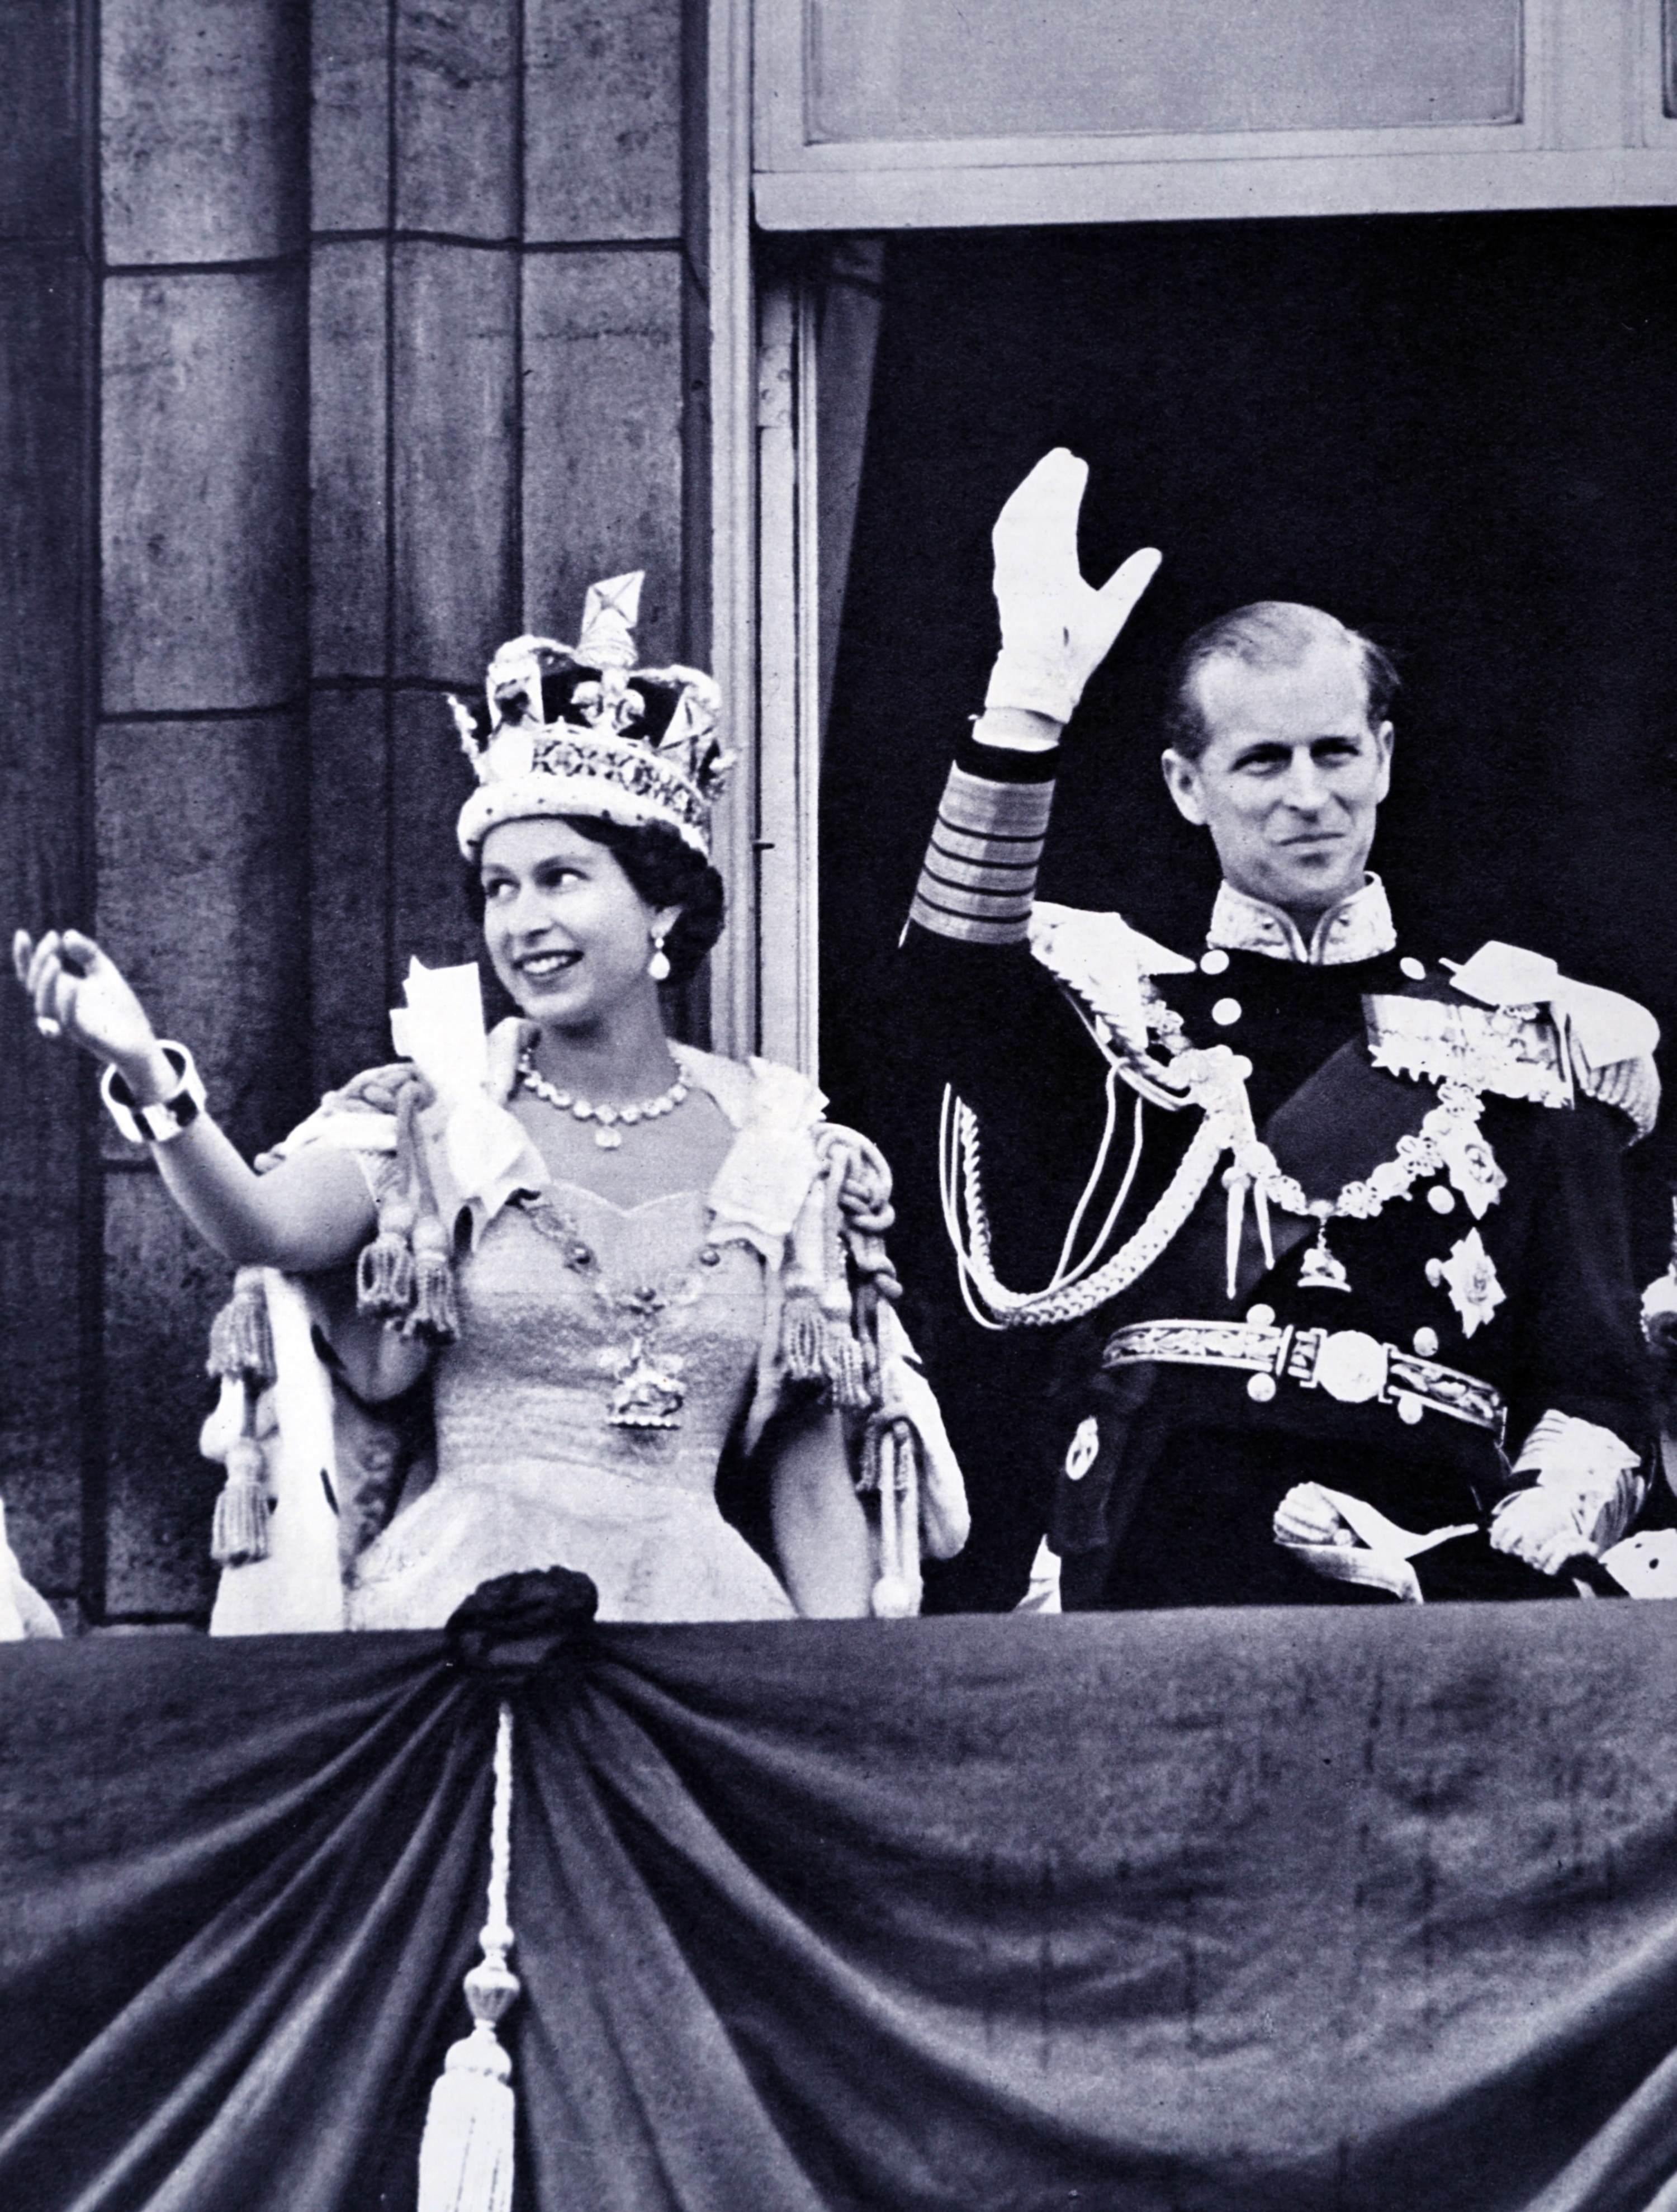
[{"x": 603, "y": 1357}]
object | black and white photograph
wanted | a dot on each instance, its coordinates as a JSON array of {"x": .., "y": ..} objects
[{"x": 838, "y": 1255}]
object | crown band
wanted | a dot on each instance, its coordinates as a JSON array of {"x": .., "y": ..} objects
[{"x": 579, "y": 730}]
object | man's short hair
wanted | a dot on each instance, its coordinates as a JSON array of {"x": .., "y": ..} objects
[{"x": 1269, "y": 634}]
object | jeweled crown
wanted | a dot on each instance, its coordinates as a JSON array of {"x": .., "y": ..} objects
[{"x": 580, "y": 730}]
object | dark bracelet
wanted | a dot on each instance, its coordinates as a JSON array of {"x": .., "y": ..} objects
[{"x": 155, "y": 1124}]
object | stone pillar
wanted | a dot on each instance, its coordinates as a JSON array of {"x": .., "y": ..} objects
[
  {"x": 49, "y": 1220},
  {"x": 201, "y": 770},
  {"x": 497, "y": 411}
]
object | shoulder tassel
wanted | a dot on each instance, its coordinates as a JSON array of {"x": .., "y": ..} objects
[
  {"x": 241, "y": 1354},
  {"x": 405, "y": 1276},
  {"x": 435, "y": 1317}
]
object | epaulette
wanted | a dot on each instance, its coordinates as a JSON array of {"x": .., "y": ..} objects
[
  {"x": 1104, "y": 963},
  {"x": 1512, "y": 1024}
]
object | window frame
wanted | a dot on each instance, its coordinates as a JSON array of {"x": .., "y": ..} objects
[{"x": 1592, "y": 132}]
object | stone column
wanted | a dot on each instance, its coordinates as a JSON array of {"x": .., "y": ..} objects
[
  {"x": 497, "y": 412},
  {"x": 201, "y": 769},
  {"x": 49, "y": 1194}
]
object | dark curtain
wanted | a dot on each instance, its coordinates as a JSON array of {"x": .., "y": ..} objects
[
  {"x": 1268, "y": 1912},
  {"x": 1452, "y": 431}
]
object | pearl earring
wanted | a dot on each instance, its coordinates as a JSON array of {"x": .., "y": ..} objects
[{"x": 659, "y": 966}]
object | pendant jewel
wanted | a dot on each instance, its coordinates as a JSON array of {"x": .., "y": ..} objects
[
  {"x": 1450, "y": 1144},
  {"x": 648, "y": 1396},
  {"x": 612, "y": 1120},
  {"x": 1321, "y": 1269}
]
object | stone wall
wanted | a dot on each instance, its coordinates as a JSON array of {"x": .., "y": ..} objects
[{"x": 356, "y": 337}]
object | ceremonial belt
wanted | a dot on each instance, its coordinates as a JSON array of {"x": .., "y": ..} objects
[{"x": 1348, "y": 1364}]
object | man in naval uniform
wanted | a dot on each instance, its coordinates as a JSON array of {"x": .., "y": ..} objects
[{"x": 1333, "y": 1237}]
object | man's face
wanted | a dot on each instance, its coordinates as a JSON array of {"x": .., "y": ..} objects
[{"x": 1292, "y": 779}]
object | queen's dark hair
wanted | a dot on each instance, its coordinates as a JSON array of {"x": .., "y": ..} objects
[
  {"x": 1269, "y": 634},
  {"x": 664, "y": 870}
]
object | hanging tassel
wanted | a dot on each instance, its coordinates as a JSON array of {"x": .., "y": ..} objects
[
  {"x": 434, "y": 1317},
  {"x": 804, "y": 1338},
  {"x": 896, "y": 1594},
  {"x": 846, "y": 1367},
  {"x": 385, "y": 1270},
  {"x": 908, "y": 1519},
  {"x": 465, "y": 2155},
  {"x": 240, "y": 1341},
  {"x": 239, "y": 1532},
  {"x": 1236, "y": 1184},
  {"x": 865, "y": 1325}
]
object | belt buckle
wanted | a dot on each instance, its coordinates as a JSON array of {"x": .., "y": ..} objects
[{"x": 1351, "y": 1366}]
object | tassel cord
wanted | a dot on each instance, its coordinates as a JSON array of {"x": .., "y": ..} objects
[
  {"x": 497, "y": 1936},
  {"x": 466, "y": 2158}
]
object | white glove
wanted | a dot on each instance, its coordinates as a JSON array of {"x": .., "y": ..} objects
[
  {"x": 1307, "y": 1515},
  {"x": 1055, "y": 629},
  {"x": 1589, "y": 1472},
  {"x": 1539, "y": 1527}
]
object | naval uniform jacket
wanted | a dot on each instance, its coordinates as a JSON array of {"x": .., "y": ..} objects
[{"x": 1167, "y": 1474}]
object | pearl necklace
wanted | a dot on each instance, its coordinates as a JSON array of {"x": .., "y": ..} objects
[{"x": 613, "y": 1120}]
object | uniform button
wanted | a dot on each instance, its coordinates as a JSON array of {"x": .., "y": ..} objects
[
  {"x": 1440, "y": 1197},
  {"x": 1261, "y": 1316},
  {"x": 1262, "y": 1387},
  {"x": 1434, "y": 1273},
  {"x": 1413, "y": 968},
  {"x": 1425, "y": 1341},
  {"x": 1225, "y": 1011},
  {"x": 1214, "y": 961}
]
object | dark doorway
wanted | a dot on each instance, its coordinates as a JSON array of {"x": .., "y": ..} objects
[{"x": 1454, "y": 432}]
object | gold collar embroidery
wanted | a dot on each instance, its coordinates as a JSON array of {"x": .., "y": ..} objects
[{"x": 1358, "y": 929}]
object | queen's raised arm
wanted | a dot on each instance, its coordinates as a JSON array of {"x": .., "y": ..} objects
[{"x": 313, "y": 1212}]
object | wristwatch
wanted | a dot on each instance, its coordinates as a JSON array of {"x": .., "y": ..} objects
[{"x": 155, "y": 1124}]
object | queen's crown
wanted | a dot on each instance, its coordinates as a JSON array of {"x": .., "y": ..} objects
[{"x": 580, "y": 730}]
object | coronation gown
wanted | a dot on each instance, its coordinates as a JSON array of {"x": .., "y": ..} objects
[{"x": 605, "y": 1355}]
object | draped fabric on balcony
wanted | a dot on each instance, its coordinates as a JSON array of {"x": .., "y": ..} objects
[{"x": 1347, "y": 1911}]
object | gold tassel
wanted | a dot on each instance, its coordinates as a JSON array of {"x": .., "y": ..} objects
[
  {"x": 896, "y": 1594},
  {"x": 385, "y": 1270},
  {"x": 847, "y": 1367},
  {"x": 804, "y": 1338},
  {"x": 465, "y": 2155},
  {"x": 240, "y": 1341},
  {"x": 434, "y": 1317},
  {"x": 239, "y": 1532}
]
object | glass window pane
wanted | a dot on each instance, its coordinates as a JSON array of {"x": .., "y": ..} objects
[{"x": 966, "y": 69}]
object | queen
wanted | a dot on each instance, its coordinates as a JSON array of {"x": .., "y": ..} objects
[{"x": 620, "y": 1262}]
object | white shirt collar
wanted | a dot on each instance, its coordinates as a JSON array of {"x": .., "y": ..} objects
[{"x": 1357, "y": 928}]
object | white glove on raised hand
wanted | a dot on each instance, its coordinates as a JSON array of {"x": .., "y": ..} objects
[{"x": 1055, "y": 629}]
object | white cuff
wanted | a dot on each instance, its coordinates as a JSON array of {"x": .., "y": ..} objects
[{"x": 1035, "y": 683}]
